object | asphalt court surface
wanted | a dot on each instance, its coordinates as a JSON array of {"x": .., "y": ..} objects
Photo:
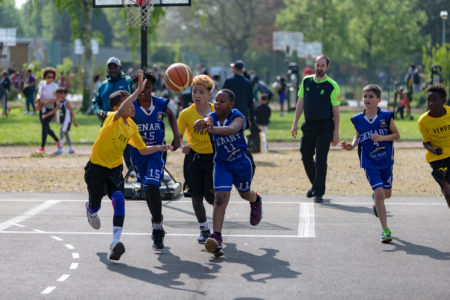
[{"x": 300, "y": 250}]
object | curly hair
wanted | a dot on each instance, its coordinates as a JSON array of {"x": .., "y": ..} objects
[
  {"x": 205, "y": 81},
  {"x": 438, "y": 89},
  {"x": 149, "y": 75},
  {"x": 48, "y": 70}
]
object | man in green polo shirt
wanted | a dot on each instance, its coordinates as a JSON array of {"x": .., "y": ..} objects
[{"x": 318, "y": 97}]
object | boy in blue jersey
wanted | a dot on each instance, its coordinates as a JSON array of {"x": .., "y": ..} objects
[
  {"x": 149, "y": 118},
  {"x": 375, "y": 133},
  {"x": 232, "y": 164}
]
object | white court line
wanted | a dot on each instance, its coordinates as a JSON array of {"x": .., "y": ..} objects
[
  {"x": 28, "y": 214},
  {"x": 306, "y": 222},
  {"x": 38, "y": 230},
  {"x": 75, "y": 255},
  {"x": 63, "y": 277},
  {"x": 69, "y": 246},
  {"x": 19, "y": 225},
  {"x": 48, "y": 290},
  {"x": 57, "y": 238},
  {"x": 74, "y": 266}
]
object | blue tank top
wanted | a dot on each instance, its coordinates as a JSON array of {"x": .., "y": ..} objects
[
  {"x": 229, "y": 148},
  {"x": 151, "y": 123},
  {"x": 375, "y": 155}
]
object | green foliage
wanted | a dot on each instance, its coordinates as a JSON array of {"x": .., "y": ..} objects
[{"x": 370, "y": 34}]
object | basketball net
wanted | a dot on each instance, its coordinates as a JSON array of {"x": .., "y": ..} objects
[{"x": 138, "y": 12}]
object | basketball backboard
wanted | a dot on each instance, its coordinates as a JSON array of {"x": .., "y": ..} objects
[
  {"x": 283, "y": 39},
  {"x": 8, "y": 36},
  {"x": 118, "y": 3}
]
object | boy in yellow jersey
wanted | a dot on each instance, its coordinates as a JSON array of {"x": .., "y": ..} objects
[
  {"x": 198, "y": 162},
  {"x": 434, "y": 125},
  {"x": 103, "y": 172}
]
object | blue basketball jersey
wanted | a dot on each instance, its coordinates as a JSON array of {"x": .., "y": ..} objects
[
  {"x": 229, "y": 148},
  {"x": 151, "y": 123},
  {"x": 377, "y": 155}
]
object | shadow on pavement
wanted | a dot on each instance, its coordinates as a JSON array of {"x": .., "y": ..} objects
[
  {"x": 414, "y": 249},
  {"x": 173, "y": 267},
  {"x": 265, "y": 266},
  {"x": 352, "y": 208}
]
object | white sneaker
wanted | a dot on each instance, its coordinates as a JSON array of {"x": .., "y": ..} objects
[
  {"x": 117, "y": 250},
  {"x": 93, "y": 219}
]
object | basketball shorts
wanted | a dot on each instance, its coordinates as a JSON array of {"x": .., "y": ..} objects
[
  {"x": 198, "y": 173},
  {"x": 379, "y": 177},
  {"x": 102, "y": 181},
  {"x": 282, "y": 97},
  {"x": 238, "y": 173},
  {"x": 441, "y": 170},
  {"x": 150, "y": 168}
]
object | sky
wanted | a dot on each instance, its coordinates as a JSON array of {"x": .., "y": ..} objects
[{"x": 19, "y": 3}]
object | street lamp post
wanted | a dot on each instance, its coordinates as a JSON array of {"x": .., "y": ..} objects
[{"x": 444, "y": 15}]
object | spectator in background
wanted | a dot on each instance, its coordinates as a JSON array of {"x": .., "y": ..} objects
[
  {"x": 282, "y": 93},
  {"x": 46, "y": 103},
  {"x": 186, "y": 98},
  {"x": 262, "y": 114},
  {"x": 243, "y": 90},
  {"x": 29, "y": 87},
  {"x": 259, "y": 88},
  {"x": 64, "y": 81},
  {"x": 116, "y": 80},
  {"x": 217, "y": 86},
  {"x": 307, "y": 71},
  {"x": 5, "y": 87}
]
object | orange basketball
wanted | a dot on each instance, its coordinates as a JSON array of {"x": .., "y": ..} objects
[{"x": 178, "y": 77}]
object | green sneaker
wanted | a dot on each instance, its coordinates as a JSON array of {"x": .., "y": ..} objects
[
  {"x": 374, "y": 207},
  {"x": 386, "y": 236}
]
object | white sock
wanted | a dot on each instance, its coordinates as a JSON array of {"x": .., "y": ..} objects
[
  {"x": 204, "y": 225},
  {"x": 117, "y": 232}
]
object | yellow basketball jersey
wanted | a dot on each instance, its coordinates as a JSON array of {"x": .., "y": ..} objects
[{"x": 111, "y": 141}]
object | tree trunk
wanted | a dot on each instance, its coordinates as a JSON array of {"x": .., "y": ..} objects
[{"x": 87, "y": 57}]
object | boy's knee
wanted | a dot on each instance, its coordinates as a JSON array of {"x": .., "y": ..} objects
[
  {"x": 387, "y": 193},
  {"x": 118, "y": 201},
  {"x": 219, "y": 199}
]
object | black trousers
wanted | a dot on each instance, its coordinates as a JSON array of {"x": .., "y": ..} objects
[
  {"x": 46, "y": 130},
  {"x": 316, "y": 141}
]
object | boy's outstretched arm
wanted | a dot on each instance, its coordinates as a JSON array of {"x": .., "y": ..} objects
[
  {"x": 129, "y": 101},
  {"x": 395, "y": 135},
  {"x": 152, "y": 149},
  {"x": 173, "y": 125},
  {"x": 236, "y": 125}
]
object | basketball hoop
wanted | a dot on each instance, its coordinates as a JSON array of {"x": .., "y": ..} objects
[{"x": 138, "y": 12}]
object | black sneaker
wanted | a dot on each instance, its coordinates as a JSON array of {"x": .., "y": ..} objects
[
  {"x": 158, "y": 239},
  {"x": 318, "y": 199},
  {"x": 310, "y": 193},
  {"x": 204, "y": 234},
  {"x": 117, "y": 250}
]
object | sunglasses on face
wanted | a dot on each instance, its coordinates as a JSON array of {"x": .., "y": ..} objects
[{"x": 50, "y": 77}]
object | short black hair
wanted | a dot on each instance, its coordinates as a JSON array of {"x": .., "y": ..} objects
[
  {"x": 229, "y": 93},
  {"x": 61, "y": 89},
  {"x": 117, "y": 97},
  {"x": 149, "y": 75},
  {"x": 323, "y": 56},
  {"x": 264, "y": 97},
  {"x": 375, "y": 88},
  {"x": 438, "y": 89}
]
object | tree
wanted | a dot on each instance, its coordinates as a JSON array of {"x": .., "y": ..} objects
[{"x": 228, "y": 23}]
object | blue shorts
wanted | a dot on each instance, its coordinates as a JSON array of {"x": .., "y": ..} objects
[
  {"x": 379, "y": 177},
  {"x": 238, "y": 173},
  {"x": 150, "y": 168},
  {"x": 282, "y": 97}
]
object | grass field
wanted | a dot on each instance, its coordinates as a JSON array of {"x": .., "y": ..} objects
[{"x": 19, "y": 128}]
